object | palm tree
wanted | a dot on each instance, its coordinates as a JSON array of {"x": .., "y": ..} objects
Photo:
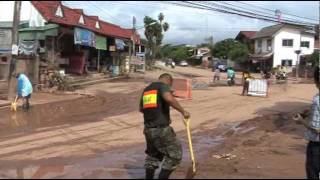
[{"x": 154, "y": 33}]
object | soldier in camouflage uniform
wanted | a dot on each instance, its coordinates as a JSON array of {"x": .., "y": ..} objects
[{"x": 162, "y": 144}]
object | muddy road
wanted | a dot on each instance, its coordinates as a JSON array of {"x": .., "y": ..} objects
[{"x": 99, "y": 135}]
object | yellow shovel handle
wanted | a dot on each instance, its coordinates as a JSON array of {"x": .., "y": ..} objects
[
  {"x": 16, "y": 99},
  {"x": 187, "y": 123}
]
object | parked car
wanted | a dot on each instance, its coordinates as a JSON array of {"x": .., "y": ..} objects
[
  {"x": 183, "y": 63},
  {"x": 171, "y": 63}
]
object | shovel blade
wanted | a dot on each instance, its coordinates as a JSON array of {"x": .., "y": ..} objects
[
  {"x": 14, "y": 107},
  {"x": 190, "y": 173}
]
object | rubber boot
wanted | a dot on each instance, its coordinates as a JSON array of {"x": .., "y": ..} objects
[
  {"x": 164, "y": 174},
  {"x": 150, "y": 173}
]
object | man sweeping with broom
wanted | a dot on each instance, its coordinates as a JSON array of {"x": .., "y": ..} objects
[
  {"x": 24, "y": 91},
  {"x": 162, "y": 143}
]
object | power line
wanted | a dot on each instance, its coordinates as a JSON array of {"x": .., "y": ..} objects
[
  {"x": 101, "y": 10},
  {"x": 205, "y": 7},
  {"x": 200, "y": 5},
  {"x": 253, "y": 14},
  {"x": 274, "y": 11},
  {"x": 254, "y": 10}
]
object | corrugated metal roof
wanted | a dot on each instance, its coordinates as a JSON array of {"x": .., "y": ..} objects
[
  {"x": 8, "y": 24},
  {"x": 268, "y": 31},
  {"x": 271, "y": 30},
  {"x": 42, "y": 28},
  {"x": 247, "y": 34}
]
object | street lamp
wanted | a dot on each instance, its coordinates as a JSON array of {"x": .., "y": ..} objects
[
  {"x": 134, "y": 31},
  {"x": 133, "y": 39},
  {"x": 297, "y": 63}
]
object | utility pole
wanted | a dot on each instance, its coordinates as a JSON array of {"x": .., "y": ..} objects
[
  {"x": 133, "y": 35},
  {"x": 319, "y": 34},
  {"x": 297, "y": 64},
  {"x": 133, "y": 53},
  {"x": 14, "y": 42}
]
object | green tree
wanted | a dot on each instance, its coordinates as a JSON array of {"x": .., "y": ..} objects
[
  {"x": 231, "y": 49},
  {"x": 315, "y": 58},
  {"x": 154, "y": 34},
  {"x": 178, "y": 53},
  {"x": 239, "y": 53}
]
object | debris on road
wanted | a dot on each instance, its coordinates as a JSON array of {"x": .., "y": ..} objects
[{"x": 228, "y": 156}]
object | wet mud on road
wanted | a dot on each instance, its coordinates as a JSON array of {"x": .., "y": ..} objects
[
  {"x": 101, "y": 136},
  {"x": 259, "y": 150}
]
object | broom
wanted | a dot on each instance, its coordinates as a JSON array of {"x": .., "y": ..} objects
[{"x": 14, "y": 104}]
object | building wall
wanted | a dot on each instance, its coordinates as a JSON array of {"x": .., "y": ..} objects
[
  {"x": 204, "y": 49},
  {"x": 310, "y": 50},
  {"x": 28, "y": 13},
  {"x": 282, "y": 53},
  {"x": 5, "y": 38},
  {"x": 4, "y": 66},
  {"x": 264, "y": 47}
]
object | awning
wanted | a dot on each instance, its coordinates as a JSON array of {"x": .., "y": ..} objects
[
  {"x": 84, "y": 37},
  {"x": 261, "y": 56},
  {"x": 101, "y": 42},
  {"x": 120, "y": 44},
  {"x": 38, "y": 33},
  {"x": 28, "y": 47},
  {"x": 5, "y": 51}
]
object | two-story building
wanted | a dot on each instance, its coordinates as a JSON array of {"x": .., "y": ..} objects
[
  {"x": 277, "y": 45},
  {"x": 246, "y": 37},
  {"x": 64, "y": 38}
]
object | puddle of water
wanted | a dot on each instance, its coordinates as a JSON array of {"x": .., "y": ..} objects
[
  {"x": 112, "y": 164},
  {"x": 119, "y": 163}
]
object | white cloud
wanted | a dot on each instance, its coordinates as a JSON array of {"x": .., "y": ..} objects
[{"x": 187, "y": 25}]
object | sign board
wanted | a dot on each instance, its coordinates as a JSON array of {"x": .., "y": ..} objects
[
  {"x": 112, "y": 48},
  {"x": 15, "y": 49},
  {"x": 258, "y": 87},
  {"x": 141, "y": 54},
  {"x": 137, "y": 61},
  {"x": 127, "y": 63}
]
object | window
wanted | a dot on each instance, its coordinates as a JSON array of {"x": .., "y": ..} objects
[
  {"x": 203, "y": 51},
  {"x": 97, "y": 25},
  {"x": 305, "y": 44},
  {"x": 259, "y": 43},
  {"x": 59, "y": 12},
  {"x": 269, "y": 44},
  {"x": 2, "y": 33},
  {"x": 4, "y": 59},
  {"x": 81, "y": 20},
  {"x": 286, "y": 62},
  {"x": 287, "y": 42}
]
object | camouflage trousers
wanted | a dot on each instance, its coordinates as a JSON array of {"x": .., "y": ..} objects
[{"x": 162, "y": 145}]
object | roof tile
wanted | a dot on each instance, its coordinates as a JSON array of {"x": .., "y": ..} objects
[{"x": 71, "y": 18}]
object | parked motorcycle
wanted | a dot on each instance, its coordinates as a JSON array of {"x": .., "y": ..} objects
[
  {"x": 231, "y": 81},
  {"x": 281, "y": 76},
  {"x": 173, "y": 65}
]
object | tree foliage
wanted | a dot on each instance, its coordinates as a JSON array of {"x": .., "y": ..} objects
[
  {"x": 178, "y": 53},
  {"x": 315, "y": 58},
  {"x": 231, "y": 49},
  {"x": 154, "y": 34}
]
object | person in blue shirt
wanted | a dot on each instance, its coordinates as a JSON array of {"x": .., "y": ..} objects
[
  {"x": 231, "y": 75},
  {"x": 24, "y": 90},
  {"x": 311, "y": 120}
]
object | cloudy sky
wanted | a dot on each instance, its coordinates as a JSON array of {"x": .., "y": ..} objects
[
  {"x": 187, "y": 25},
  {"x": 191, "y": 26}
]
